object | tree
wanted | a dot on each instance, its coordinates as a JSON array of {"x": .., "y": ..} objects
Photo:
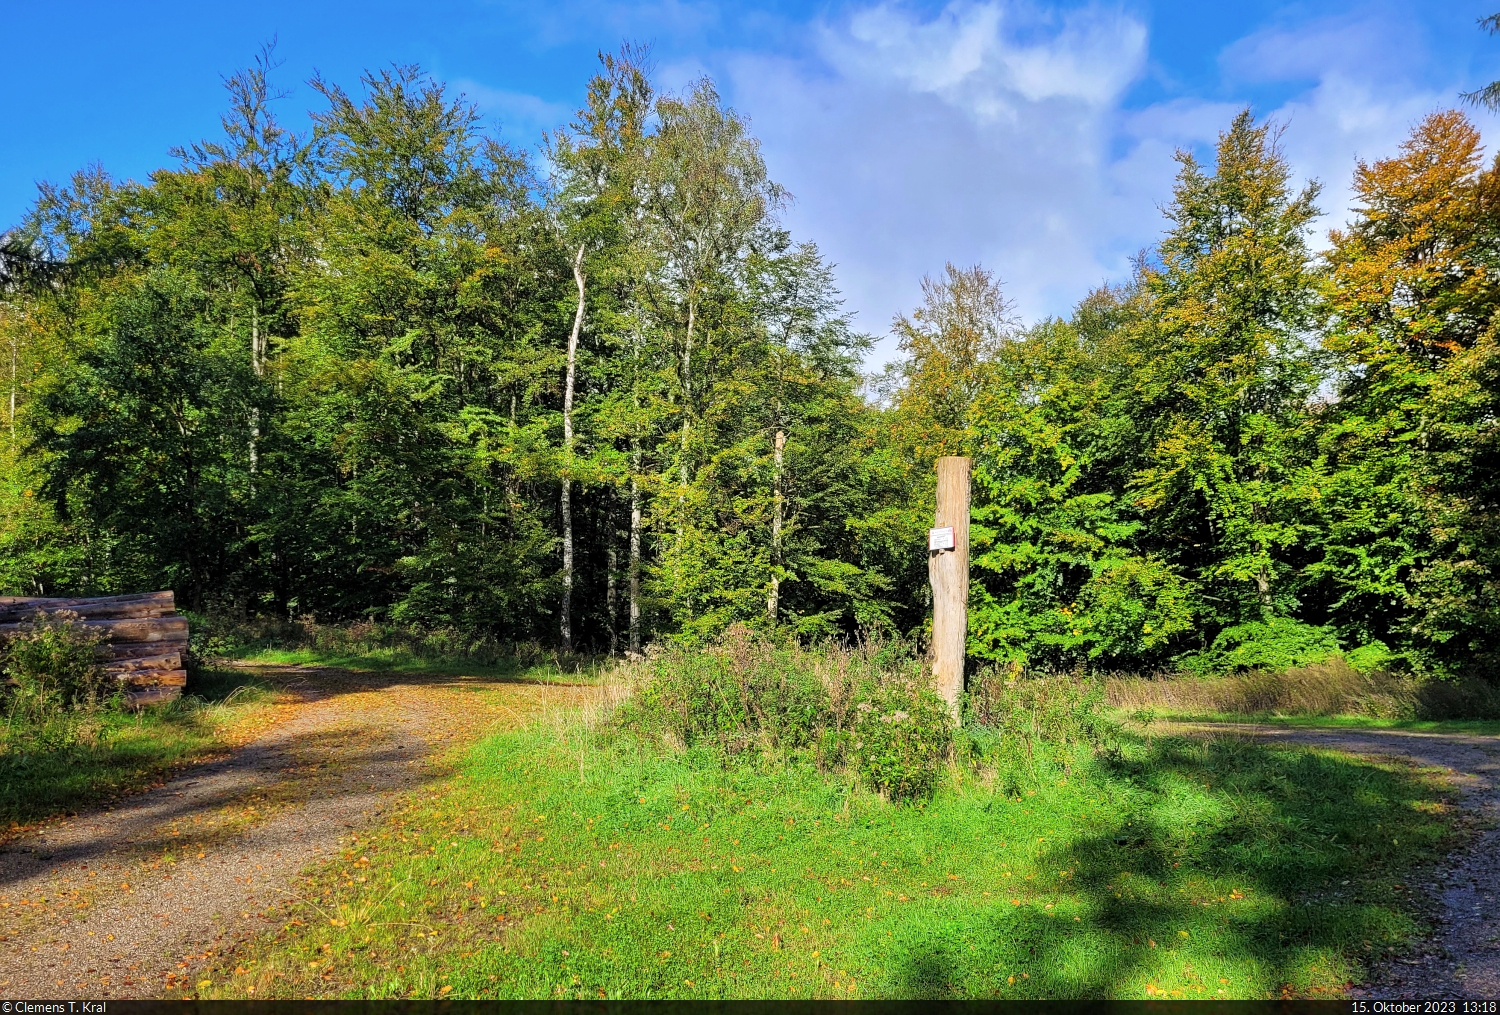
[
  {"x": 950, "y": 344},
  {"x": 1487, "y": 97},
  {"x": 1406, "y": 550},
  {"x": 1224, "y": 373},
  {"x": 601, "y": 161}
]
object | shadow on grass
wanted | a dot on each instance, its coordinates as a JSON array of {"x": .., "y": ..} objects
[
  {"x": 76, "y": 759},
  {"x": 216, "y": 801},
  {"x": 69, "y": 760},
  {"x": 1296, "y": 872}
]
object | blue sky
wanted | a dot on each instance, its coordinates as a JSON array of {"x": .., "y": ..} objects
[{"x": 1030, "y": 136}]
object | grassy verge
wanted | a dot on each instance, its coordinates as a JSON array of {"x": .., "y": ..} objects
[
  {"x": 1480, "y": 727},
  {"x": 77, "y": 759},
  {"x": 1327, "y": 690},
  {"x": 554, "y": 865},
  {"x": 397, "y": 659}
]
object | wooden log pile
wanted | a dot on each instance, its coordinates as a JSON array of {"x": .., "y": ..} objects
[{"x": 144, "y": 640}]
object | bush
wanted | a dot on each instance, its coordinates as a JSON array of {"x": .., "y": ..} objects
[
  {"x": 739, "y": 693},
  {"x": 1011, "y": 716},
  {"x": 863, "y": 708},
  {"x": 52, "y": 664},
  {"x": 1278, "y": 643},
  {"x": 902, "y": 733}
]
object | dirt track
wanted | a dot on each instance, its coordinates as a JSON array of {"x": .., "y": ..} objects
[
  {"x": 1462, "y": 961},
  {"x": 131, "y": 901}
]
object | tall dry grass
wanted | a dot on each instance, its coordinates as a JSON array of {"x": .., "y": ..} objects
[{"x": 1329, "y": 688}]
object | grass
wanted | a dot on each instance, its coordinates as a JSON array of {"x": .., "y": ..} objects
[
  {"x": 79, "y": 759},
  {"x": 397, "y": 659},
  {"x": 554, "y": 864},
  {"x": 1331, "y": 690},
  {"x": 1479, "y": 727}
]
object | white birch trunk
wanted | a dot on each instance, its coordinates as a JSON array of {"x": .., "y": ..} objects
[
  {"x": 566, "y": 613},
  {"x": 773, "y": 601}
]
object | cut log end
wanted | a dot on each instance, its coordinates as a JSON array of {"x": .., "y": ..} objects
[
  {"x": 154, "y": 678},
  {"x": 152, "y": 696}
]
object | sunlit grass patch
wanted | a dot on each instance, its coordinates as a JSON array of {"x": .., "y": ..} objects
[
  {"x": 399, "y": 660},
  {"x": 76, "y": 759},
  {"x": 552, "y": 866}
]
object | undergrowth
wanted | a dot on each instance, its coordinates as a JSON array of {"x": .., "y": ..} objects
[
  {"x": 865, "y": 708},
  {"x": 367, "y": 645}
]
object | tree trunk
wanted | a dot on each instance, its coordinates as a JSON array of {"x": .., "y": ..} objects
[
  {"x": 687, "y": 411},
  {"x": 683, "y": 472},
  {"x": 566, "y": 613},
  {"x": 633, "y": 636},
  {"x": 635, "y": 560},
  {"x": 257, "y": 363},
  {"x": 773, "y": 601},
  {"x": 609, "y": 593},
  {"x": 948, "y": 571},
  {"x": 15, "y": 382}
]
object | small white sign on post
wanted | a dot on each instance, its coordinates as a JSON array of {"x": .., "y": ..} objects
[{"x": 940, "y": 539}]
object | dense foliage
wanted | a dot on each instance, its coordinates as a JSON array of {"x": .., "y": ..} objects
[
  {"x": 396, "y": 370},
  {"x": 868, "y": 710}
]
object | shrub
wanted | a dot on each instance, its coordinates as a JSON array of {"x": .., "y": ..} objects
[
  {"x": 1011, "y": 718},
  {"x": 1278, "y": 643},
  {"x": 901, "y": 734},
  {"x": 52, "y": 663},
  {"x": 863, "y": 707},
  {"x": 737, "y": 693}
]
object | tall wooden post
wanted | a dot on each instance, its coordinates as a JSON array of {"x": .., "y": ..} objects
[{"x": 948, "y": 570}]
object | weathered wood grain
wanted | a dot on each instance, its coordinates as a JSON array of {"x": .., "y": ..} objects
[{"x": 948, "y": 571}]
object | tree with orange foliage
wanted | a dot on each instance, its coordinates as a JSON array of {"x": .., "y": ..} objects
[{"x": 1409, "y": 547}]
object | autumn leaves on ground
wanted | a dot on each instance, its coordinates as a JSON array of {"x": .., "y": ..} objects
[
  {"x": 134, "y": 898},
  {"x": 535, "y": 848}
]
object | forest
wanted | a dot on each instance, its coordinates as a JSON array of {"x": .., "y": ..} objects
[{"x": 397, "y": 370}]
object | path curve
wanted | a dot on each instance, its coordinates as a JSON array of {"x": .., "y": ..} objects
[
  {"x": 132, "y": 900},
  {"x": 1462, "y": 960}
]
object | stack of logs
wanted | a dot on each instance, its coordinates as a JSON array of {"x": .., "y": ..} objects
[{"x": 144, "y": 639}]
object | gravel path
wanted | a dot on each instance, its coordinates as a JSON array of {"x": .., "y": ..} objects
[
  {"x": 131, "y": 901},
  {"x": 1462, "y": 960}
]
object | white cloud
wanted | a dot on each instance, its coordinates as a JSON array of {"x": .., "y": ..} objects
[
  {"x": 522, "y": 117},
  {"x": 997, "y": 132},
  {"x": 967, "y": 54},
  {"x": 1370, "y": 81},
  {"x": 1361, "y": 97},
  {"x": 980, "y": 135}
]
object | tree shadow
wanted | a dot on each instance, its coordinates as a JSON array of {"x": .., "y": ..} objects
[
  {"x": 212, "y": 803},
  {"x": 74, "y": 761},
  {"x": 1294, "y": 873}
]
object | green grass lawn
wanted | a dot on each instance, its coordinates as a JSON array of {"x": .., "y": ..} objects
[
  {"x": 403, "y": 660},
  {"x": 76, "y": 760},
  {"x": 556, "y": 865}
]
